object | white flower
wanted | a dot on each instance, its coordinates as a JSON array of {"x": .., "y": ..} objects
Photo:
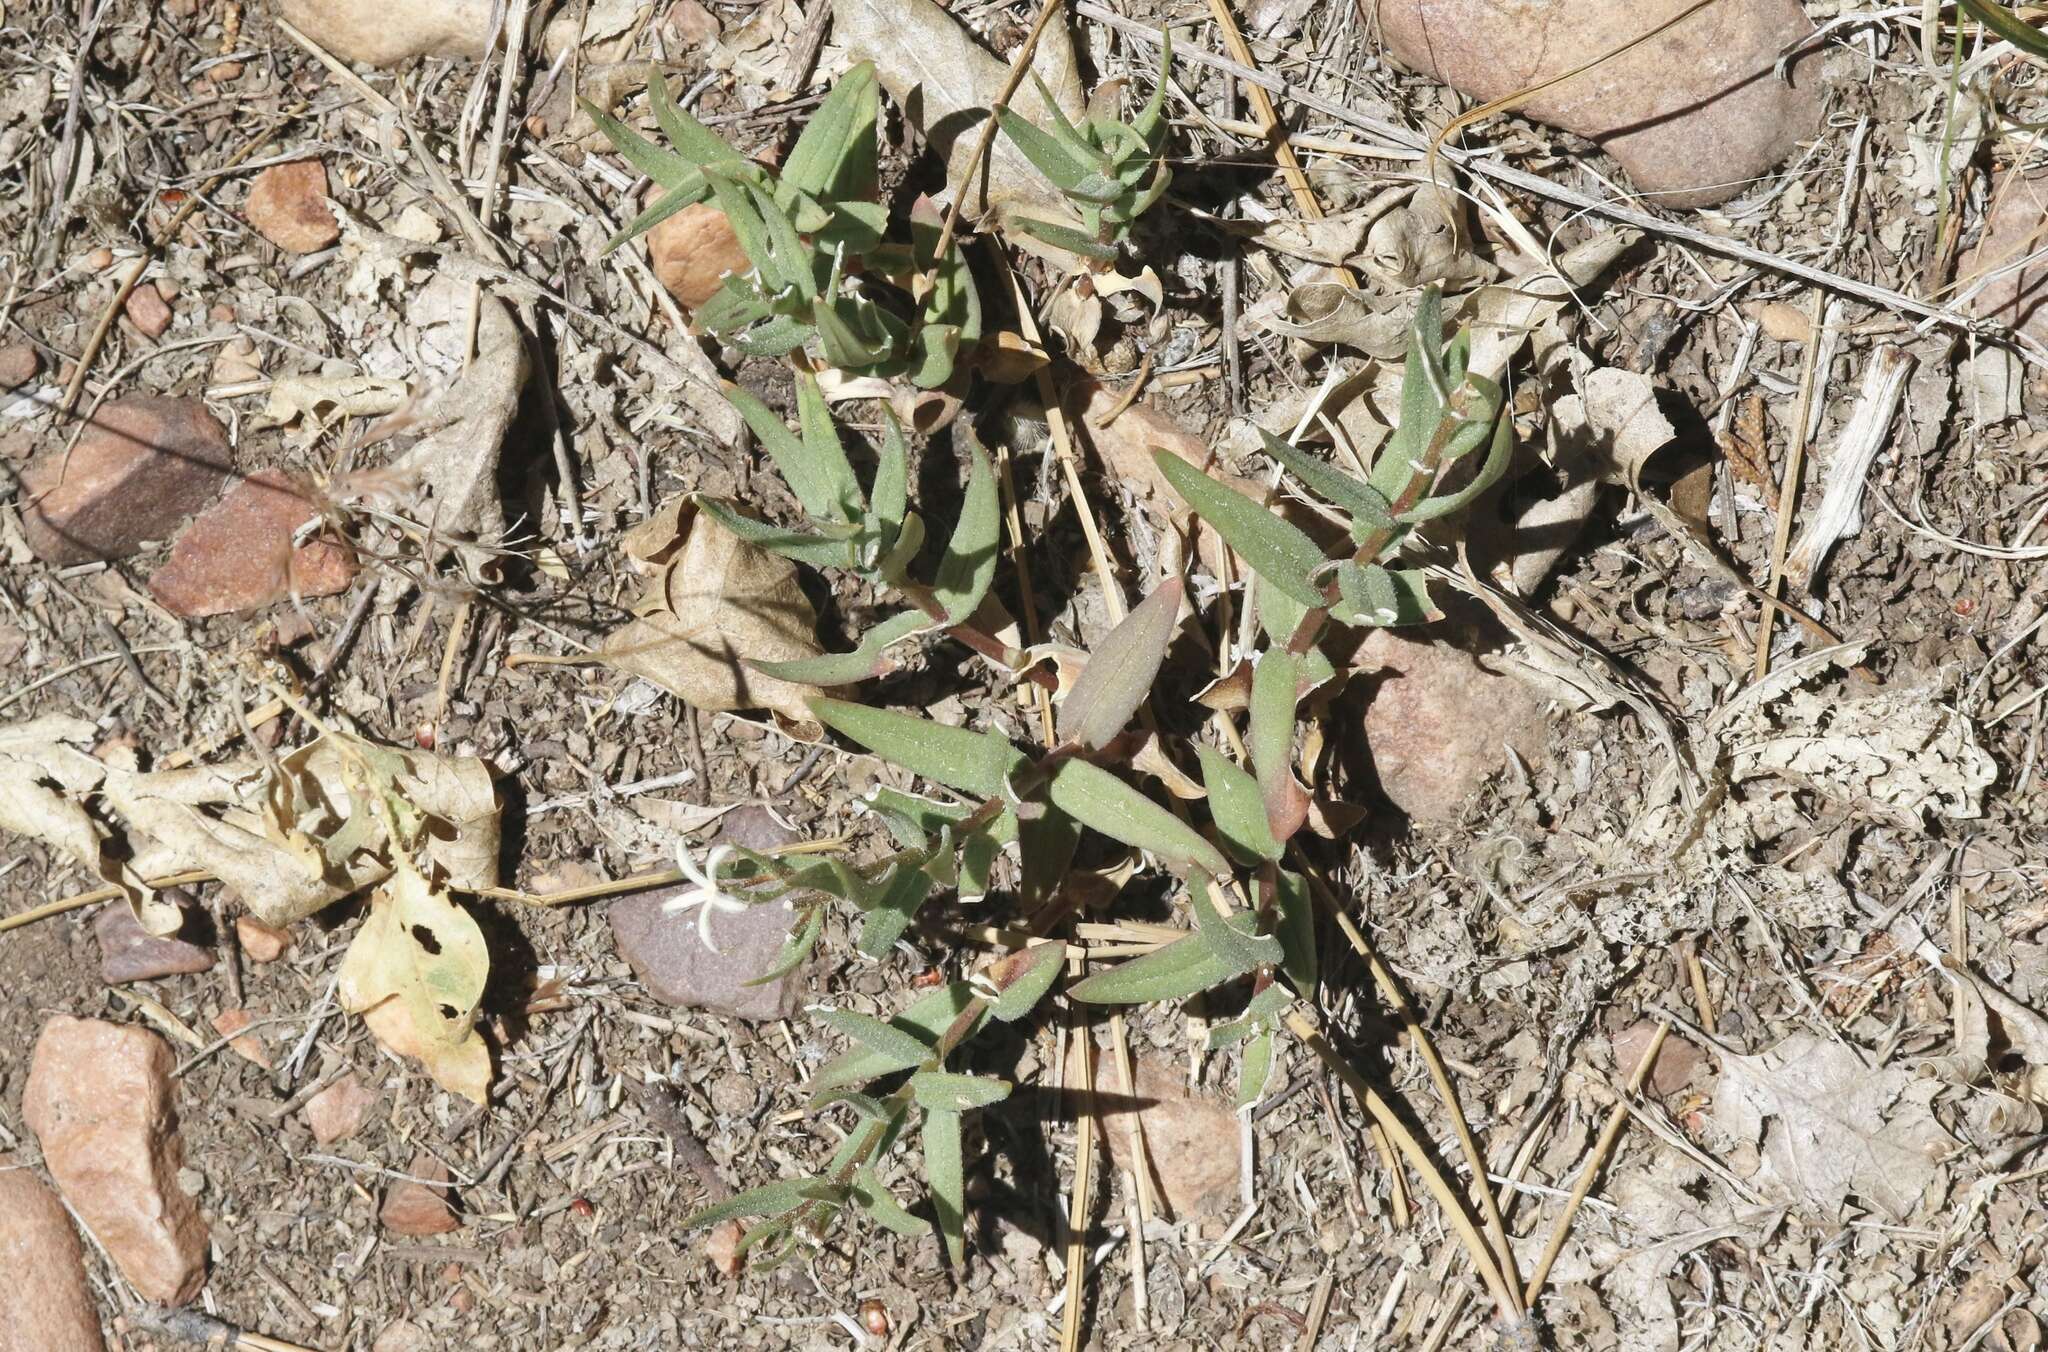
[{"x": 706, "y": 895}]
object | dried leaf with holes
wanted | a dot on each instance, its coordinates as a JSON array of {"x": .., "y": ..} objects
[
  {"x": 718, "y": 606},
  {"x": 416, "y": 973}
]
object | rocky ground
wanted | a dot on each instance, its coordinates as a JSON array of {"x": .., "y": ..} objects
[{"x": 343, "y": 465}]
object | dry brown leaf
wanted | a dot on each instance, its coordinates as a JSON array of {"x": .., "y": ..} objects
[
  {"x": 719, "y": 603},
  {"x": 1747, "y": 445},
  {"x": 1830, "y": 1127},
  {"x": 457, "y": 462},
  {"x": 324, "y": 400},
  {"x": 288, "y": 848},
  {"x": 416, "y": 972}
]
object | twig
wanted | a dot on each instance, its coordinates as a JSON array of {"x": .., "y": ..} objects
[
  {"x": 108, "y": 893},
  {"x": 191, "y": 1326},
  {"x": 1617, "y": 1118},
  {"x": 1019, "y": 67},
  {"x": 1788, "y": 486}
]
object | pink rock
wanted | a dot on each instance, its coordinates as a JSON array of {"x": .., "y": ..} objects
[
  {"x": 234, "y": 1025},
  {"x": 238, "y": 554},
  {"x": 288, "y": 206},
  {"x": 99, "y": 1101},
  {"x": 1695, "y": 114},
  {"x": 263, "y": 942},
  {"x": 45, "y": 1305},
  {"x": 145, "y": 465},
  {"x": 2018, "y": 296},
  {"x": 419, "y": 1209},
  {"x": 148, "y": 311},
  {"x": 1190, "y": 1139},
  {"x": 19, "y": 363},
  {"x": 692, "y": 251},
  {"x": 339, "y": 1111},
  {"x": 1676, "y": 1059},
  {"x": 130, "y": 953},
  {"x": 1440, "y": 724}
]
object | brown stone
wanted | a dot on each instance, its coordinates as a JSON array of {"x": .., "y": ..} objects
[
  {"x": 148, "y": 311},
  {"x": 417, "y": 1210},
  {"x": 45, "y": 1305},
  {"x": 1676, "y": 1059},
  {"x": 384, "y": 34},
  {"x": 1190, "y": 1139},
  {"x": 1440, "y": 724},
  {"x": 666, "y": 951},
  {"x": 99, "y": 1099},
  {"x": 145, "y": 464},
  {"x": 238, "y": 554},
  {"x": 2012, "y": 231},
  {"x": 263, "y": 942},
  {"x": 1695, "y": 114},
  {"x": 339, "y": 1111},
  {"x": 234, "y": 1025},
  {"x": 722, "y": 1247},
  {"x": 130, "y": 953},
  {"x": 288, "y": 206},
  {"x": 19, "y": 363},
  {"x": 692, "y": 251}
]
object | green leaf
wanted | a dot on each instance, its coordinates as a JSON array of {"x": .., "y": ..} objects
[
  {"x": 2008, "y": 25},
  {"x": 770, "y": 1199},
  {"x": 1150, "y": 123},
  {"x": 1295, "y": 926},
  {"x": 1099, "y": 800},
  {"x": 1276, "y": 681},
  {"x": 944, "y": 1091},
  {"x": 1259, "y": 1014},
  {"x": 1242, "y": 951},
  {"x": 866, "y": 661},
  {"x": 973, "y": 762},
  {"x": 1280, "y": 554},
  {"x": 1056, "y": 160},
  {"x": 835, "y": 157},
  {"x": 946, "y": 1174},
  {"x": 977, "y": 865},
  {"x": 1368, "y": 509},
  {"x": 1065, "y": 237},
  {"x": 1255, "y": 1069},
  {"x": 1488, "y": 474},
  {"x": 1025, "y": 978},
  {"x": 890, "y": 497},
  {"x": 1375, "y": 596},
  {"x": 751, "y": 230},
  {"x": 934, "y": 352},
  {"x": 925, "y": 1020},
  {"x": 1179, "y": 969},
  {"x": 907, "y": 889},
  {"x": 1046, "y": 845},
  {"x": 1121, "y": 670},
  {"x": 969, "y": 564},
  {"x": 893, "y": 1045},
  {"x": 795, "y": 948},
  {"x": 913, "y": 819},
  {"x": 691, "y": 138},
  {"x": 1236, "y": 807},
  {"x": 870, "y": 1196},
  {"x": 819, "y": 551}
]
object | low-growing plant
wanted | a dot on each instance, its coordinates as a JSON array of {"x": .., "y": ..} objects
[
  {"x": 1252, "y": 909},
  {"x": 1108, "y": 170},
  {"x": 824, "y": 275}
]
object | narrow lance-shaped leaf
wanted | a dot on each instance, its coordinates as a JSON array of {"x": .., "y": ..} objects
[
  {"x": 770, "y": 1199},
  {"x": 1181, "y": 968},
  {"x": 1236, "y": 806},
  {"x": 893, "y": 1045},
  {"x": 944, "y": 1091},
  {"x": 1429, "y": 509},
  {"x": 1369, "y": 511},
  {"x": 1099, "y": 800},
  {"x": 1242, "y": 951},
  {"x": 969, "y": 564},
  {"x": 926, "y": 1019},
  {"x": 819, "y": 551},
  {"x": 946, "y": 1174},
  {"x": 835, "y": 156},
  {"x": 1121, "y": 670},
  {"x": 972, "y": 762},
  {"x": 863, "y": 663},
  {"x": 1024, "y": 978},
  {"x": 890, "y": 497},
  {"x": 1279, "y": 553},
  {"x": 1275, "y": 682},
  {"x": 1295, "y": 926},
  {"x": 907, "y": 890},
  {"x": 814, "y": 466},
  {"x": 795, "y": 948},
  {"x": 1255, "y": 1069},
  {"x": 870, "y": 1196}
]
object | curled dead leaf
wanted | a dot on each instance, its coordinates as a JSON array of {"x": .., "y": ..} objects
[
  {"x": 416, "y": 972},
  {"x": 717, "y": 605}
]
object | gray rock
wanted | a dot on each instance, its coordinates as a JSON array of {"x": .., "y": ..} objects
[{"x": 130, "y": 953}]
